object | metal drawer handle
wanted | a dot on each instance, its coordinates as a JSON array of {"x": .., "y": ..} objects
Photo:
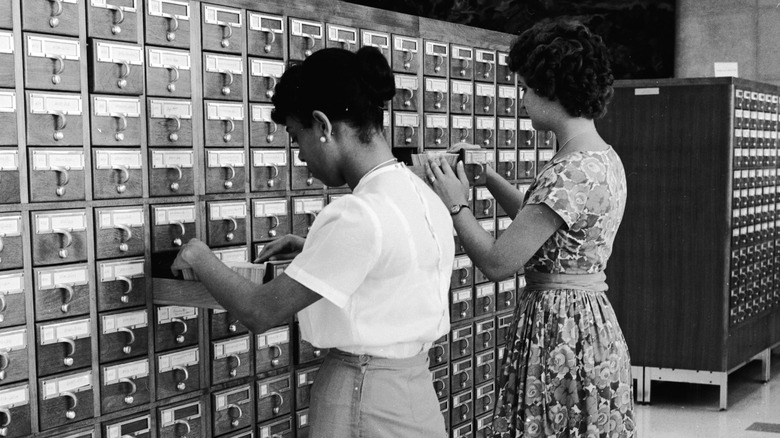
[
  {"x": 71, "y": 350},
  {"x": 408, "y": 99},
  {"x": 4, "y": 425},
  {"x": 130, "y": 341},
  {"x": 466, "y": 64},
  {"x": 125, "y": 298},
  {"x": 488, "y": 370},
  {"x": 175, "y": 71},
  {"x": 464, "y": 306},
  {"x": 173, "y": 26},
  {"x": 63, "y": 253},
  {"x": 2, "y": 243},
  {"x": 407, "y": 59},
  {"x": 480, "y": 170},
  {"x": 277, "y": 407},
  {"x": 510, "y": 104},
  {"x": 180, "y": 336},
  {"x": 276, "y": 353},
  {"x": 60, "y": 123},
  {"x": 464, "y": 100},
  {"x": 227, "y": 32},
  {"x": 465, "y": 348},
  {"x": 231, "y": 173},
  {"x": 438, "y": 62},
  {"x": 274, "y": 223},
  {"x": 124, "y": 72},
  {"x": 178, "y": 241},
  {"x": 268, "y": 41},
  {"x": 464, "y": 275},
  {"x": 488, "y": 136},
  {"x": 440, "y": 387},
  {"x": 438, "y": 98},
  {"x": 274, "y": 174},
  {"x": 179, "y": 175},
  {"x": 53, "y": 20},
  {"x": 464, "y": 134},
  {"x": 234, "y": 369},
  {"x": 439, "y": 135},
  {"x": 119, "y": 15},
  {"x": 488, "y": 302},
  {"x": 438, "y": 352},
  {"x": 234, "y": 419},
  {"x": 124, "y": 176},
  {"x": 231, "y": 125},
  {"x": 510, "y": 135},
  {"x": 309, "y": 47},
  {"x": 488, "y": 401},
  {"x": 489, "y": 205},
  {"x": 269, "y": 93},
  {"x": 313, "y": 216},
  {"x": 127, "y": 234},
  {"x": 180, "y": 385},
  {"x": 272, "y": 128},
  {"x": 233, "y": 227},
  {"x": 133, "y": 388},
  {"x": 227, "y": 82},
  {"x": 68, "y": 296},
  {"x": 488, "y": 103},
  {"x": 59, "y": 67},
  {"x": 488, "y": 70},
  {"x": 186, "y": 424},
  {"x": 5, "y": 361},
  {"x": 122, "y": 118},
  {"x": 408, "y": 139},
  {"x": 63, "y": 177},
  {"x": 174, "y": 136},
  {"x": 488, "y": 338},
  {"x": 71, "y": 412}
]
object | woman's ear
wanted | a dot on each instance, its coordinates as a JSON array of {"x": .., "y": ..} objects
[{"x": 322, "y": 126}]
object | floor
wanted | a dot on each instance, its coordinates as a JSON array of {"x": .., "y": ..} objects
[{"x": 682, "y": 410}]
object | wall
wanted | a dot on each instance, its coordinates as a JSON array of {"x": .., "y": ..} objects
[{"x": 743, "y": 31}]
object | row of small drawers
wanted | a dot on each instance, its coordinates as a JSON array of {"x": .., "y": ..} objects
[
  {"x": 755, "y": 102},
  {"x": 753, "y": 308},
  {"x": 222, "y": 30}
]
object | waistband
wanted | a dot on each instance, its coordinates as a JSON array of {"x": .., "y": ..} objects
[
  {"x": 542, "y": 281},
  {"x": 365, "y": 359},
  {"x": 395, "y": 351}
]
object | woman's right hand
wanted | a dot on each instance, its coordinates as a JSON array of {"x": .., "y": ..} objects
[{"x": 283, "y": 248}]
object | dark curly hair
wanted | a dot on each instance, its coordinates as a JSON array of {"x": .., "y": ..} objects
[
  {"x": 347, "y": 87},
  {"x": 564, "y": 61}
]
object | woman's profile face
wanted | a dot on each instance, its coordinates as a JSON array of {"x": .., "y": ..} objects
[
  {"x": 537, "y": 107},
  {"x": 310, "y": 147}
]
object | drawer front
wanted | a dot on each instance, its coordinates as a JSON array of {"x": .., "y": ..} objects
[
  {"x": 119, "y": 232},
  {"x": 54, "y": 119},
  {"x": 185, "y": 419},
  {"x": 117, "y": 68},
  {"x": 226, "y": 132},
  {"x": 136, "y": 427},
  {"x": 56, "y": 248},
  {"x": 124, "y": 385},
  {"x": 58, "y": 353},
  {"x": 179, "y": 331},
  {"x": 64, "y": 410},
  {"x": 232, "y": 409},
  {"x": 52, "y": 63},
  {"x": 123, "y": 335},
  {"x": 177, "y": 373},
  {"x": 13, "y": 356},
  {"x": 224, "y": 325},
  {"x": 11, "y": 249},
  {"x": 116, "y": 20},
  {"x": 61, "y": 18},
  {"x": 9, "y": 184},
  {"x": 266, "y": 35},
  {"x": 117, "y": 173},
  {"x": 168, "y": 73},
  {"x": 121, "y": 293},
  {"x": 168, "y": 23},
  {"x": 279, "y": 428},
  {"x": 274, "y": 397},
  {"x": 171, "y": 172},
  {"x": 16, "y": 400},
  {"x": 61, "y": 292},
  {"x": 230, "y": 366}
]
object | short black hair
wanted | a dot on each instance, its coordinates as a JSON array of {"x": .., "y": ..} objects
[
  {"x": 564, "y": 61},
  {"x": 347, "y": 87}
]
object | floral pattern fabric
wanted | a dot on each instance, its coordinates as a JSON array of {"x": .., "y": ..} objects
[{"x": 567, "y": 371}]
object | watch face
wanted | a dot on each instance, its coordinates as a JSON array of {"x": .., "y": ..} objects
[{"x": 454, "y": 209}]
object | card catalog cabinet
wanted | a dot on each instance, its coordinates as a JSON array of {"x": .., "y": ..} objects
[
  {"x": 702, "y": 193},
  {"x": 133, "y": 126}
]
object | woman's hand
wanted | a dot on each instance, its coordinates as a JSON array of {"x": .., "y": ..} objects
[
  {"x": 180, "y": 263},
  {"x": 452, "y": 189},
  {"x": 283, "y": 248}
]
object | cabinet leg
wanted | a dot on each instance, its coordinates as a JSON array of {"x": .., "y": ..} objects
[
  {"x": 724, "y": 386},
  {"x": 637, "y": 374},
  {"x": 647, "y": 385},
  {"x": 766, "y": 358}
]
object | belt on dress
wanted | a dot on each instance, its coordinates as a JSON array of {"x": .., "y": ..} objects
[{"x": 543, "y": 281}]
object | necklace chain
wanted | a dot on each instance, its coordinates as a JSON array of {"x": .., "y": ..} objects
[
  {"x": 570, "y": 139},
  {"x": 380, "y": 165}
]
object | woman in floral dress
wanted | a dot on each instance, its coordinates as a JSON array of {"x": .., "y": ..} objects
[{"x": 566, "y": 372}]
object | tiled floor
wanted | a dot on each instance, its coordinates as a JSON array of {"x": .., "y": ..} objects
[{"x": 681, "y": 410}]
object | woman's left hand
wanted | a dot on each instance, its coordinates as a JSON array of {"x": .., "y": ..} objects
[{"x": 452, "y": 189}]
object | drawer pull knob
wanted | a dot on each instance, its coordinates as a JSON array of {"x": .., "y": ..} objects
[
  {"x": 173, "y": 136},
  {"x": 71, "y": 350},
  {"x": 234, "y": 369},
  {"x": 464, "y": 134},
  {"x": 125, "y": 298},
  {"x": 313, "y": 216},
  {"x": 466, "y": 64},
  {"x": 186, "y": 425},
  {"x": 440, "y": 387},
  {"x": 407, "y": 59},
  {"x": 486, "y": 306},
  {"x": 408, "y": 99},
  {"x": 175, "y": 77},
  {"x": 488, "y": 136},
  {"x": 5, "y": 361},
  {"x": 464, "y": 348},
  {"x": 124, "y": 176},
  {"x": 231, "y": 173},
  {"x": 127, "y": 234},
  {"x": 173, "y": 26},
  {"x": 488, "y": 70},
  {"x": 178, "y": 241},
  {"x": 408, "y": 139},
  {"x": 274, "y": 174},
  {"x": 4, "y": 426},
  {"x": 233, "y": 327},
  {"x": 464, "y": 275},
  {"x": 269, "y": 40},
  {"x": 124, "y": 72},
  {"x": 227, "y": 82},
  {"x": 74, "y": 401},
  {"x": 234, "y": 418},
  {"x": 131, "y": 340},
  {"x": 233, "y": 226},
  {"x": 269, "y": 92},
  {"x": 227, "y": 32},
  {"x": 509, "y": 104},
  {"x": 464, "y": 101},
  {"x": 68, "y": 296},
  {"x": 276, "y": 353},
  {"x": 308, "y": 43},
  {"x": 129, "y": 399},
  {"x": 438, "y": 97},
  {"x": 60, "y": 123},
  {"x": 180, "y": 336},
  {"x": 119, "y": 18},
  {"x": 439, "y": 135},
  {"x": 488, "y": 103},
  {"x": 274, "y": 224},
  {"x": 59, "y": 67},
  {"x": 53, "y": 20},
  {"x": 464, "y": 307},
  {"x": 438, "y": 353},
  {"x": 63, "y": 252},
  {"x": 3, "y": 306},
  {"x": 181, "y": 385},
  {"x": 179, "y": 175},
  {"x": 488, "y": 206},
  {"x": 231, "y": 126},
  {"x": 488, "y": 370},
  {"x": 277, "y": 406},
  {"x": 438, "y": 62},
  {"x": 488, "y": 336}
]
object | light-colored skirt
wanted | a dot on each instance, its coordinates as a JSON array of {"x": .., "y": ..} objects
[{"x": 361, "y": 396}]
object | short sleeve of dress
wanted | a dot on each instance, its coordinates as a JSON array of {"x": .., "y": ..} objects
[
  {"x": 563, "y": 188},
  {"x": 341, "y": 248}
]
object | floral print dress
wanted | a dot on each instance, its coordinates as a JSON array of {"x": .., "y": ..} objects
[{"x": 566, "y": 371}]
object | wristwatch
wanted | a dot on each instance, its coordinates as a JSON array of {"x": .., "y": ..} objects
[{"x": 456, "y": 208}]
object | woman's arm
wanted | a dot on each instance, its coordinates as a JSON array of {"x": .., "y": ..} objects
[
  {"x": 259, "y": 307},
  {"x": 505, "y": 194}
]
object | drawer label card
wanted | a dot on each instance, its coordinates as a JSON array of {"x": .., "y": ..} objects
[
  {"x": 436, "y": 121},
  {"x": 308, "y": 205},
  {"x": 55, "y": 103},
  {"x": 136, "y": 426},
  {"x": 128, "y": 320},
  {"x": 7, "y": 101},
  {"x": 129, "y": 268},
  {"x": 376, "y": 39},
  {"x": 342, "y": 34},
  {"x": 13, "y": 340},
  {"x": 504, "y": 223},
  {"x": 226, "y": 158},
  {"x": 266, "y": 208},
  {"x": 231, "y": 255},
  {"x": 407, "y": 119},
  {"x": 462, "y": 87},
  {"x": 6, "y": 42},
  {"x": 107, "y": 5},
  {"x": 507, "y": 92},
  {"x": 227, "y": 210},
  {"x": 486, "y": 290},
  {"x": 169, "y": 8},
  {"x": 460, "y": 52},
  {"x": 484, "y": 358},
  {"x": 302, "y": 28},
  {"x": 525, "y": 125},
  {"x": 486, "y": 90},
  {"x": 269, "y": 158},
  {"x": 132, "y": 370},
  {"x": 51, "y": 159},
  {"x": 436, "y": 49},
  {"x": 12, "y": 283},
  {"x": 166, "y": 314},
  {"x": 223, "y": 16},
  {"x": 488, "y": 123},
  {"x": 484, "y": 326},
  {"x": 462, "y": 366},
  {"x": 183, "y": 412},
  {"x": 231, "y": 347},
  {"x": 46, "y": 47},
  {"x": 109, "y": 160},
  {"x": 11, "y": 398},
  {"x": 115, "y": 106},
  {"x": 179, "y": 359},
  {"x": 53, "y": 333},
  {"x": 114, "y": 218},
  {"x": 266, "y": 23},
  {"x": 507, "y": 156},
  {"x": 168, "y": 215},
  {"x": 170, "y": 109},
  {"x": 262, "y": 113},
  {"x": 488, "y": 225},
  {"x": 11, "y": 225},
  {"x": 462, "y": 122},
  {"x": 47, "y": 223},
  {"x": 461, "y": 262},
  {"x": 486, "y": 56},
  {"x": 273, "y": 337},
  {"x": 224, "y": 64},
  {"x": 461, "y": 295},
  {"x": 266, "y": 68},
  {"x": 77, "y": 383},
  {"x": 236, "y": 396},
  {"x": 224, "y": 111},
  {"x": 171, "y": 159},
  {"x": 481, "y": 157},
  {"x": 159, "y": 58},
  {"x": 406, "y": 82},
  {"x": 57, "y": 277},
  {"x": 434, "y": 85},
  {"x": 546, "y": 155},
  {"x": 404, "y": 44},
  {"x": 119, "y": 53},
  {"x": 507, "y": 124}
]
